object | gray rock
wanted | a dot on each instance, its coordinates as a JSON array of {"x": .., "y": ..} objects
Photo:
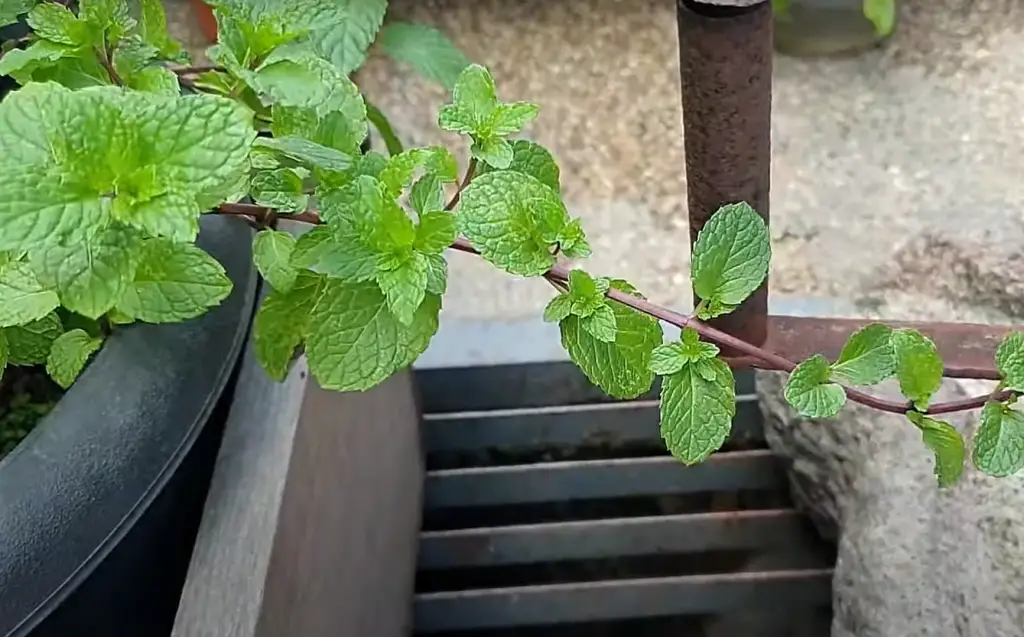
[{"x": 913, "y": 560}]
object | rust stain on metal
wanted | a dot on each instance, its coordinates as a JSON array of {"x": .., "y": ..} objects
[
  {"x": 968, "y": 350},
  {"x": 725, "y": 56}
]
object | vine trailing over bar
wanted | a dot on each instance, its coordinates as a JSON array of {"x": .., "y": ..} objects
[{"x": 107, "y": 168}]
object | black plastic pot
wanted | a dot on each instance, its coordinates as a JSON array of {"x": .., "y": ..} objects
[{"x": 100, "y": 505}]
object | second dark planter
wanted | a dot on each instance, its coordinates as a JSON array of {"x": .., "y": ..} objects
[{"x": 100, "y": 504}]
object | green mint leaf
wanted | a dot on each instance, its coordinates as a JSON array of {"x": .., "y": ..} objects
[
  {"x": 534, "y": 160},
  {"x": 29, "y": 344},
  {"x": 174, "y": 282},
  {"x": 339, "y": 123},
  {"x": 493, "y": 151},
  {"x": 337, "y": 252},
  {"x": 91, "y": 276},
  {"x": 512, "y": 117},
  {"x": 416, "y": 336},
  {"x": 810, "y": 391},
  {"x": 384, "y": 128},
  {"x": 153, "y": 29},
  {"x": 293, "y": 76},
  {"x": 622, "y": 368},
  {"x": 696, "y": 413},
  {"x": 109, "y": 20},
  {"x": 600, "y": 324},
  {"x": 311, "y": 246},
  {"x": 882, "y": 14},
  {"x": 436, "y": 160},
  {"x": 946, "y": 443},
  {"x": 427, "y": 195},
  {"x": 21, "y": 63},
  {"x": 172, "y": 215},
  {"x": 669, "y": 358},
  {"x": 56, "y": 23},
  {"x": 918, "y": 366},
  {"x": 501, "y": 214},
  {"x": 713, "y": 308},
  {"x": 730, "y": 257},
  {"x": 280, "y": 189},
  {"x": 69, "y": 354},
  {"x": 341, "y": 30},
  {"x": 11, "y": 10},
  {"x": 435, "y": 232},
  {"x": 284, "y": 321},
  {"x": 426, "y": 50},
  {"x": 308, "y": 153},
  {"x": 437, "y": 274},
  {"x": 573, "y": 241},
  {"x": 405, "y": 286},
  {"x": 356, "y": 342},
  {"x": 558, "y": 308},
  {"x": 999, "y": 441},
  {"x": 22, "y": 297},
  {"x": 363, "y": 209},
  {"x": 1010, "y": 361},
  {"x": 867, "y": 358},
  {"x": 272, "y": 254}
]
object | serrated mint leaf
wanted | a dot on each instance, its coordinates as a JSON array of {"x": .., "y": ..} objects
[
  {"x": 1010, "y": 361},
  {"x": 600, "y": 323},
  {"x": 345, "y": 255},
  {"x": 91, "y": 276},
  {"x": 154, "y": 79},
  {"x": 22, "y": 297},
  {"x": 416, "y": 336},
  {"x": 172, "y": 215},
  {"x": 999, "y": 441},
  {"x": 70, "y": 159},
  {"x": 153, "y": 30},
  {"x": 558, "y": 308},
  {"x": 69, "y": 354},
  {"x": 500, "y": 214},
  {"x": 710, "y": 310},
  {"x": 280, "y": 189},
  {"x": 272, "y": 254},
  {"x": 435, "y": 160},
  {"x": 810, "y": 391},
  {"x": 356, "y": 342},
  {"x": 669, "y": 358},
  {"x": 308, "y": 153},
  {"x": 20, "y": 63},
  {"x": 882, "y": 14},
  {"x": 493, "y": 151},
  {"x": 339, "y": 123},
  {"x": 695, "y": 414},
  {"x": 29, "y": 344},
  {"x": 174, "y": 282},
  {"x": 437, "y": 274},
  {"x": 426, "y": 50},
  {"x": 573, "y": 242},
  {"x": 427, "y": 195},
  {"x": 730, "y": 257},
  {"x": 341, "y": 31},
  {"x": 56, "y": 23},
  {"x": 405, "y": 286},
  {"x": 532, "y": 159},
  {"x": 946, "y": 443},
  {"x": 510, "y": 118},
  {"x": 918, "y": 366},
  {"x": 622, "y": 368},
  {"x": 284, "y": 321},
  {"x": 867, "y": 358},
  {"x": 435, "y": 232}
]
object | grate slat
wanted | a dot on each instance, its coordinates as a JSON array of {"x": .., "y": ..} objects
[
  {"x": 593, "y": 479},
  {"x": 609, "y": 538},
  {"x": 565, "y": 425},
  {"x": 621, "y": 599}
]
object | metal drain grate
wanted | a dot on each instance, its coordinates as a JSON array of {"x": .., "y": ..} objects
[{"x": 551, "y": 510}]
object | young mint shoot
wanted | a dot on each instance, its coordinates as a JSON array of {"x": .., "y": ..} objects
[{"x": 111, "y": 152}]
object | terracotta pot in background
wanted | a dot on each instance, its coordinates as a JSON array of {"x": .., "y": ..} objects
[{"x": 204, "y": 18}]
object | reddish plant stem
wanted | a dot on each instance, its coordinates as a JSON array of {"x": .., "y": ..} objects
[
  {"x": 470, "y": 173},
  {"x": 558, "y": 276},
  {"x": 195, "y": 70}
]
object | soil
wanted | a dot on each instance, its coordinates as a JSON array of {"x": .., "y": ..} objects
[{"x": 26, "y": 395}]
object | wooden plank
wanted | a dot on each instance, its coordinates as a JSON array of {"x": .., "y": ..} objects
[
  {"x": 593, "y": 479},
  {"x": 622, "y": 599},
  {"x": 311, "y": 522},
  {"x": 609, "y": 538},
  {"x": 597, "y": 424}
]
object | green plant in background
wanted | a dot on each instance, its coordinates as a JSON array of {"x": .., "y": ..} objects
[
  {"x": 881, "y": 13},
  {"x": 103, "y": 186}
]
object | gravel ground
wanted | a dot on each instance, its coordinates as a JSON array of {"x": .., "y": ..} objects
[{"x": 925, "y": 136}]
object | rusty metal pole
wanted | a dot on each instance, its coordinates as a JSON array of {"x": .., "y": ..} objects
[{"x": 725, "y": 60}]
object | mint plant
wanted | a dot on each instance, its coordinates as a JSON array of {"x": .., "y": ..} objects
[{"x": 107, "y": 168}]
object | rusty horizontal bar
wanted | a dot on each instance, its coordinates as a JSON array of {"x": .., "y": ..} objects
[
  {"x": 599, "y": 479},
  {"x": 611, "y": 538},
  {"x": 550, "y": 604},
  {"x": 967, "y": 349}
]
